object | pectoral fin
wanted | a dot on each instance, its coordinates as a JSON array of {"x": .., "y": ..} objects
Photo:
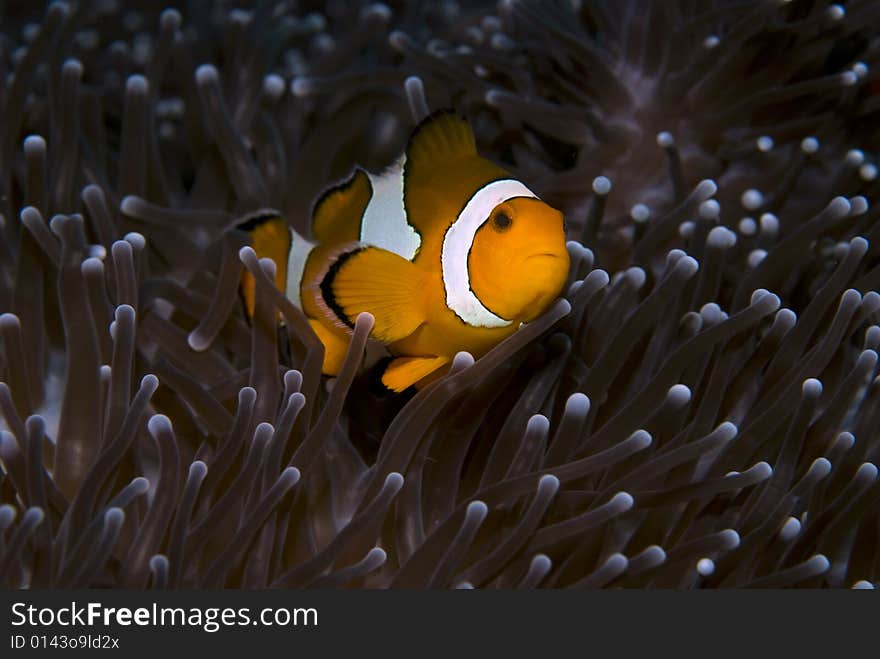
[
  {"x": 404, "y": 372},
  {"x": 376, "y": 281}
]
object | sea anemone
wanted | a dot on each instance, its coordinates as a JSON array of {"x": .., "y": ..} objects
[{"x": 698, "y": 411}]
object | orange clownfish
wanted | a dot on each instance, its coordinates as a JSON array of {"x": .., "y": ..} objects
[{"x": 445, "y": 249}]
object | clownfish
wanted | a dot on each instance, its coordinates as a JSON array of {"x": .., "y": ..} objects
[{"x": 447, "y": 251}]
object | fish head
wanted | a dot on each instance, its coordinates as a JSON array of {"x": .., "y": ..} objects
[{"x": 518, "y": 262}]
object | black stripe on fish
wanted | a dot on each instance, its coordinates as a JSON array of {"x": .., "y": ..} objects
[
  {"x": 327, "y": 286},
  {"x": 255, "y": 219}
]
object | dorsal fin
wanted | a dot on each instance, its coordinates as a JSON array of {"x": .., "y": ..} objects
[
  {"x": 337, "y": 213},
  {"x": 442, "y": 137},
  {"x": 441, "y": 159}
]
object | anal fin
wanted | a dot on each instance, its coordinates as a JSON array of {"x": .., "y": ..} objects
[
  {"x": 335, "y": 347},
  {"x": 404, "y": 372}
]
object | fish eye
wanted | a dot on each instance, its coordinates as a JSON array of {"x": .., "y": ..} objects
[{"x": 501, "y": 221}]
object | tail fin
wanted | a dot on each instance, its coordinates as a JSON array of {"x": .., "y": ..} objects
[{"x": 271, "y": 237}]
